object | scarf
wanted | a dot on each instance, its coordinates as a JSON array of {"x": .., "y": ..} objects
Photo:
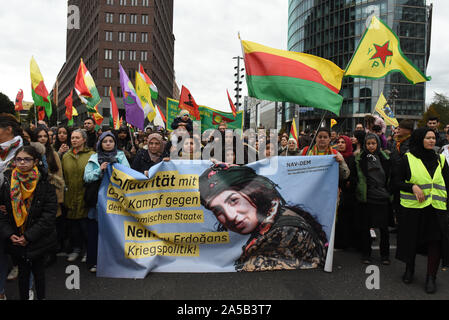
[
  {"x": 316, "y": 152},
  {"x": 264, "y": 226},
  {"x": 106, "y": 156},
  {"x": 417, "y": 146},
  {"x": 23, "y": 185},
  {"x": 7, "y": 151},
  {"x": 156, "y": 157},
  {"x": 400, "y": 140},
  {"x": 348, "y": 151}
]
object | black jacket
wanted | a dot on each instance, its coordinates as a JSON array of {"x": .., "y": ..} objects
[
  {"x": 142, "y": 161},
  {"x": 40, "y": 231},
  {"x": 175, "y": 124}
]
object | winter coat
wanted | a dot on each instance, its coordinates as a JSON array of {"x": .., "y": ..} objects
[
  {"x": 92, "y": 172},
  {"x": 175, "y": 124},
  {"x": 361, "y": 167},
  {"x": 73, "y": 167},
  {"x": 40, "y": 231},
  {"x": 142, "y": 162}
]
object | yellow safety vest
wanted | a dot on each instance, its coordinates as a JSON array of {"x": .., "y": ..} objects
[{"x": 434, "y": 189}]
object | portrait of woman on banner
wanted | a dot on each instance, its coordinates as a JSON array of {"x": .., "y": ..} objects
[{"x": 281, "y": 236}]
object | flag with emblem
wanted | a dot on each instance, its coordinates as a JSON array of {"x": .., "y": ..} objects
[
  {"x": 379, "y": 53},
  {"x": 86, "y": 89},
  {"x": 385, "y": 111}
]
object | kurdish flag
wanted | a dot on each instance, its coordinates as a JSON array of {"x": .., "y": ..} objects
[
  {"x": 385, "y": 111},
  {"x": 160, "y": 119},
  {"x": 294, "y": 133},
  {"x": 86, "y": 89},
  {"x": 379, "y": 53},
  {"x": 288, "y": 76},
  {"x": 153, "y": 89},
  {"x": 114, "y": 121},
  {"x": 144, "y": 94},
  {"x": 39, "y": 92}
]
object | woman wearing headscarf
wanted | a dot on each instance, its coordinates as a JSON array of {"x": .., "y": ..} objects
[
  {"x": 322, "y": 147},
  {"x": 423, "y": 180},
  {"x": 373, "y": 196},
  {"x": 345, "y": 231},
  {"x": 281, "y": 236},
  {"x": 156, "y": 152},
  {"x": 107, "y": 153},
  {"x": 292, "y": 148}
]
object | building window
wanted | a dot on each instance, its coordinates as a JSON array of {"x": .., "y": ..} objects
[
  {"x": 134, "y": 3},
  {"x": 133, "y": 18},
  {"x": 144, "y": 56},
  {"x": 122, "y": 18},
  {"x": 132, "y": 55},
  {"x": 146, "y": 3},
  {"x": 110, "y": 2},
  {"x": 133, "y": 36},
  {"x": 121, "y": 36},
  {"x": 144, "y": 19},
  {"x": 121, "y": 55},
  {"x": 106, "y": 92},
  {"x": 108, "y": 54},
  {"x": 123, "y": 2},
  {"x": 109, "y": 18},
  {"x": 107, "y": 73},
  {"x": 144, "y": 37},
  {"x": 109, "y": 35}
]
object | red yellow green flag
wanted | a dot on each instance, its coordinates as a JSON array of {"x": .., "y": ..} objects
[
  {"x": 288, "y": 76},
  {"x": 294, "y": 132},
  {"x": 39, "y": 92},
  {"x": 379, "y": 53},
  {"x": 86, "y": 89},
  {"x": 114, "y": 121}
]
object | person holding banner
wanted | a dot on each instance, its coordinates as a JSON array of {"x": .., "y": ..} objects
[
  {"x": 280, "y": 236},
  {"x": 146, "y": 158},
  {"x": 29, "y": 223},
  {"x": 322, "y": 147},
  {"x": 423, "y": 180},
  {"x": 73, "y": 164},
  {"x": 107, "y": 153},
  {"x": 373, "y": 196}
]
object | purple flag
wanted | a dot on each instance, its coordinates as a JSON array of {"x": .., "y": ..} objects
[{"x": 134, "y": 111}]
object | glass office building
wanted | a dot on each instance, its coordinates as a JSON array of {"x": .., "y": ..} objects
[{"x": 332, "y": 29}]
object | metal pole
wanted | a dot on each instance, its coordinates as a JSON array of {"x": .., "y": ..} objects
[{"x": 314, "y": 136}]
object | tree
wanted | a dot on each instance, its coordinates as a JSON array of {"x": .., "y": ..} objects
[
  {"x": 6, "y": 105},
  {"x": 438, "y": 108}
]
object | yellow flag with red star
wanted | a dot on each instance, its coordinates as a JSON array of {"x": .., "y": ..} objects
[{"x": 379, "y": 53}]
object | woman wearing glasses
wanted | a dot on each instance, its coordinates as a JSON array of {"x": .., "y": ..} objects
[{"x": 29, "y": 222}]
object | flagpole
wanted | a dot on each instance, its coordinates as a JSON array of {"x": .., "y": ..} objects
[{"x": 314, "y": 136}]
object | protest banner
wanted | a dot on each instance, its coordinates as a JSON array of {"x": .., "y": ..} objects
[
  {"x": 210, "y": 118},
  {"x": 196, "y": 216}
]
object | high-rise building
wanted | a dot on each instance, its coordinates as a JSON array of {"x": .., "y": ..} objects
[
  {"x": 129, "y": 31},
  {"x": 332, "y": 29}
]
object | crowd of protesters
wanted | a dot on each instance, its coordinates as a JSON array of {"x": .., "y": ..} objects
[{"x": 49, "y": 181}]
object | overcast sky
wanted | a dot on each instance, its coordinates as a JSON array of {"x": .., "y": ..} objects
[{"x": 206, "y": 33}]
